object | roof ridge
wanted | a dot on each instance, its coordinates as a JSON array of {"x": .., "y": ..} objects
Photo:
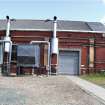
[{"x": 51, "y": 20}]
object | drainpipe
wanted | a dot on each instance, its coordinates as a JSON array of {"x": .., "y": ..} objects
[
  {"x": 54, "y": 48},
  {"x": 7, "y": 37}
]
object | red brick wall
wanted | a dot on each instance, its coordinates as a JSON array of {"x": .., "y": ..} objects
[
  {"x": 67, "y": 40},
  {"x": 99, "y": 52}
]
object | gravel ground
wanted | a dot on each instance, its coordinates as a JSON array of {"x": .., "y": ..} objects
[{"x": 52, "y": 90}]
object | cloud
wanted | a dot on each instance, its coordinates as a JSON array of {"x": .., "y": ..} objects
[
  {"x": 103, "y": 20},
  {"x": 103, "y": 1}
]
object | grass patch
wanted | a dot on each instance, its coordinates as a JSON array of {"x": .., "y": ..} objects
[{"x": 97, "y": 78}]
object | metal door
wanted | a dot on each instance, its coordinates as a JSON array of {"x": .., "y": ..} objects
[{"x": 69, "y": 62}]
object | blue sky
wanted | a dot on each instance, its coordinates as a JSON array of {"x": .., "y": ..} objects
[{"x": 80, "y": 10}]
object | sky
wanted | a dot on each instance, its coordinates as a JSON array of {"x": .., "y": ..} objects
[{"x": 76, "y": 10}]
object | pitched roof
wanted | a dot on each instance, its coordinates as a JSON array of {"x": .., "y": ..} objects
[{"x": 63, "y": 25}]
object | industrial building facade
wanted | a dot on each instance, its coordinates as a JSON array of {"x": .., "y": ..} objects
[{"x": 81, "y": 46}]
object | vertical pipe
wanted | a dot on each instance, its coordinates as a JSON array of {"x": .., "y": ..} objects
[
  {"x": 49, "y": 60},
  {"x": 8, "y": 46},
  {"x": 8, "y": 26},
  {"x": 54, "y": 40},
  {"x": 10, "y": 53},
  {"x": 54, "y": 27},
  {"x": 54, "y": 47},
  {"x": 7, "y": 38}
]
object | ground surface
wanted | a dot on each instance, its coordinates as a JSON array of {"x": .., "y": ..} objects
[
  {"x": 98, "y": 78},
  {"x": 33, "y": 90}
]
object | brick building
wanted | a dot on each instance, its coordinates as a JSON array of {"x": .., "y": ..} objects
[{"x": 81, "y": 45}]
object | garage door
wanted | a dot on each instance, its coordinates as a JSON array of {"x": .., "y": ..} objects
[{"x": 69, "y": 62}]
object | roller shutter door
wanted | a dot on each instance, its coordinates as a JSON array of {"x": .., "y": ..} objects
[{"x": 69, "y": 62}]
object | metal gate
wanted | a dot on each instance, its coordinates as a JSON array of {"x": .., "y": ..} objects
[{"x": 69, "y": 62}]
